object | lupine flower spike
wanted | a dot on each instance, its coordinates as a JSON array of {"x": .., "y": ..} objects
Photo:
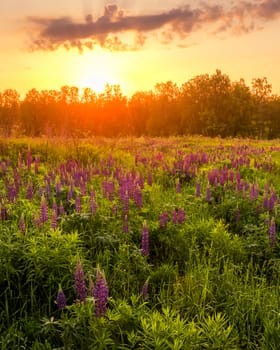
[
  {"x": 101, "y": 294},
  {"x": 80, "y": 286},
  {"x": 60, "y": 299},
  {"x": 145, "y": 239},
  {"x": 272, "y": 233}
]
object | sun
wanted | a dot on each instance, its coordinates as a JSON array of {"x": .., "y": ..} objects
[
  {"x": 95, "y": 70},
  {"x": 96, "y": 81}
]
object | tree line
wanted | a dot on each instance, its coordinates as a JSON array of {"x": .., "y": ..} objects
[{"x": 210, "y": 105}]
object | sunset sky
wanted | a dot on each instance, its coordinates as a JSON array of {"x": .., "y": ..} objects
[{"x": 47, "y": 44}]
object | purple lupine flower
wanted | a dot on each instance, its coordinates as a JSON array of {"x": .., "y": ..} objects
[
  {"x": 70, "y": 192},
  {"x": 101, "y": 293},
  {"x": 238, "y": 176},
  {"x": 43, "y": 210},
  {"x": 21, "y": 224},
  {"x": 138, "y": 198},
  {"x": 145, "y": 239},
  {"x": 181, "y": 216},
  {"x": 57, "y": 188},
  {"x": 30, "y": 191},
  {"x": 114, "y": 209},
  {"x": 174, "y": 216},
  {"x": 272, "y": 233},
  {"x": 197, "y": 189},
  {"x": 61, "y": 209},
  {"x": 83, "y": 188},
  {"x": 163, "y": 219},
  {"x": 60, "y": 299},
  {"x": 78, "y": 204},
  {"x": 54, "y": 216},
  {"x": 125, "y": 201},
  {"x": 231, "y": 176},
  {"x": 80, "y": 285},
  {"x": 252, "y": 192},
  {"x": 265, "y": 202},
  {"x": 208, "y": 194},
  {"x": 272, "y": 200},
  {"x": 144, "y": 290}
]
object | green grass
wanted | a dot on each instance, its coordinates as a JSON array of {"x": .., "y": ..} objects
[{"x": 213, "y": 280}]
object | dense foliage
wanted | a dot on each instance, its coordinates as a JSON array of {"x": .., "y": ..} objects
[
  {"x": 139, "y": 244},
  {"x": 210, "y": 105}
]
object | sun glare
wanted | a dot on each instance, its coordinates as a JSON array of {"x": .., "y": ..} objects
[
  {"x": 95, "y": 70},
  {"x": 96, "y": 81}
]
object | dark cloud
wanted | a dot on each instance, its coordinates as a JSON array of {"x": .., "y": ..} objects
[{"x": 108, "y": 29}]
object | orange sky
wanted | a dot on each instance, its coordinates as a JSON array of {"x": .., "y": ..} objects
[{"x": 136, "y": 43}]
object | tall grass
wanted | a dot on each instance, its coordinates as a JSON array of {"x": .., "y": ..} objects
[{"x": 208, "y": 277}]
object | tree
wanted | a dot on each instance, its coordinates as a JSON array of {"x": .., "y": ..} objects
[
  {"x": 261, "y": 91},
  {"x": 9, "y": 111}
]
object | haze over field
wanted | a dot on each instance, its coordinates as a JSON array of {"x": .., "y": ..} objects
[{"x": 135, "y": 43}]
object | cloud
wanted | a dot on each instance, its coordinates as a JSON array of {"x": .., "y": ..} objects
[{"x": 114, "y": 25}]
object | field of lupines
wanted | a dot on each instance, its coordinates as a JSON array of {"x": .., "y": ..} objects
[{"x": 139, "y": 244}]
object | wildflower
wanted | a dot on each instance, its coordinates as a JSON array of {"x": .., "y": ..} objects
[
  {"x": 61, "y": 209},
  {"x": 30, "y": 191},
  {"x": 54, "y": 216},
  {"x": 57, "y": 188},
  {"x": 272, "y": 233},
  {"x": 70, "y": 192},
  {"x": 80, "y": 286},
  {"x": 181, "y": 216},
  {"x": 208, "y": 194},
  {"x": 163, "y": 219},
  {"x": 138, "y": 198},
  {"x": 101, "y": 294},
  {"x": 125, "y": 201},
  {"x": 145, "y": 239},
  {"x": 78, "y": 204},
  {"x": 60, "y": 299},
  {"x": 43, "y": 210},
  {"x": 174, "y": 216},
  {"x": 265, "y": 202},
  {"x": 197, "y": 189}
]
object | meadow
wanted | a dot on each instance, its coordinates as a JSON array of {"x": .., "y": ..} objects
[{"x": 139, "y": 243}]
